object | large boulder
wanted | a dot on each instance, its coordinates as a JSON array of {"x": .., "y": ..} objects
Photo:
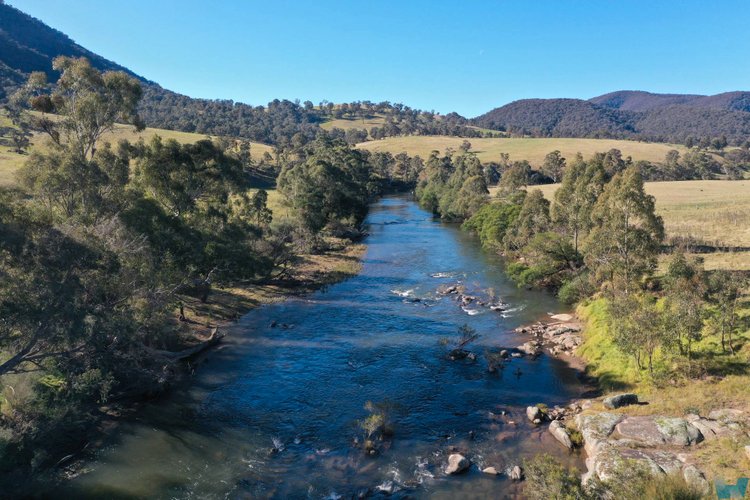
[
  {"x": 696, "y": 479},
  {"x": 620, "y": 400},
  {"x": 457, "y": 464},
  {"x": 561, "y": 434},
  {"x": 656, "y": 431},
  {"x": 613, "y": 459},
  {"x": 596, "y": 428}
]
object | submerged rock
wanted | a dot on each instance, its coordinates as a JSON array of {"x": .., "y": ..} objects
[
  {"x": 457, "y": 464},
  {"x": 620, "y": 400}
]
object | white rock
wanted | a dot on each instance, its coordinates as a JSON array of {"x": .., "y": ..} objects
[
  {"x": 516, "y": 473},
  {"x": 533, "y": 413},
  {"x": 490, "y": 470},
  {"x": 457, "y": 463}
]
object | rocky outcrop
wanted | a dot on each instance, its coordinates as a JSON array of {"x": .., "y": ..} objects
[
  {"x": 656, "y": 431},
  {"x": 457, "y": 464},
  {"x": 560, "y": 432},
  {"x": 620, "y": 400},
  {"x": 661, "y": 444}
]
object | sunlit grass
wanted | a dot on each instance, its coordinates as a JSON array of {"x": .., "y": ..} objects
[{"x": 531, "y": 149}]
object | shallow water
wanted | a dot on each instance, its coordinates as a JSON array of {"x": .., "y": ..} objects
[{"x": 302, "y": 389}]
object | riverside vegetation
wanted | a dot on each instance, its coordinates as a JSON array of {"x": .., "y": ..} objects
[
  {"x": 667, "y": 332},
  {"x": 113, "y": 256}
]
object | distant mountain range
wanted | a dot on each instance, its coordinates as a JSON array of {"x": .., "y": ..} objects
[
  {"x": 27, "y": 44},
  {"x": 628, "y": 114}
]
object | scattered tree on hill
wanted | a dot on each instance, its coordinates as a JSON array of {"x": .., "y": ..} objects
[{"x": 553, "y": 166}]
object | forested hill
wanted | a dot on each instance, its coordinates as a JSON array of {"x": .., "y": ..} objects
[
  {"x": 637, "y": 100},
  {"x": 630, "y": 115},
  {"x": 27, "y": 44}
]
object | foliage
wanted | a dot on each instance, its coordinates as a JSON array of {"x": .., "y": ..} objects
[
  {"x": 626, "y": 233},
  {"x": 331, "y": 183},
  {"x": 453, "y": 187},
  {"x": 491, "y": 222}
]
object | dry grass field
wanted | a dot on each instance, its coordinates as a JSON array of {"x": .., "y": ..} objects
[{"x": 531, "y": 149}]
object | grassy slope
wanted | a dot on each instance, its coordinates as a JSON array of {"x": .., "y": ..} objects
[
  {"x": 533, "y": 150},
  {"x": 10, "y": 161},
  {"x": 714, "y": 212}
]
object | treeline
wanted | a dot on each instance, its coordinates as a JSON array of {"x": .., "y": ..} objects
[
  {"x": 600, "y": 237},
  {"x": 101, "y": 245},
  {"x": 454, "y": 185},
  {"x": 290, "y": 125}
]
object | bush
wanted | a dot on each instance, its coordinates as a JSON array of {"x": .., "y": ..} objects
[
  {"x": 576, "y": 289},
  {"x": 546, "y": 478}
]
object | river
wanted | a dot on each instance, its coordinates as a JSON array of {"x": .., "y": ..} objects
[{"x": 303, "y": 388}]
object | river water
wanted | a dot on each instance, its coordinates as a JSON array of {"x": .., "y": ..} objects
[{"x": 302, "y": 389}]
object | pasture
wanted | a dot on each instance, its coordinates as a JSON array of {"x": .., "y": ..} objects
[{"x": 532, "y": 149}]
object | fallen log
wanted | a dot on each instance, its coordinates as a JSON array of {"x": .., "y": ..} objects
[{"x": 189, "y": 352}]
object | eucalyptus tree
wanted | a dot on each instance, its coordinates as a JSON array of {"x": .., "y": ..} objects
[{"x": 624, "y": 241}]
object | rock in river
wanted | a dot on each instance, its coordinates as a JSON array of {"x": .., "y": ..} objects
[
  {"x": 534, "y": 414},
  {"x": 620, "y": 400},
  {"x": 561, "y": 434},
  {"x": 457, "y": 463},
  {"x": 516, "y": 473},
  {"x": 491, "y": 471}
]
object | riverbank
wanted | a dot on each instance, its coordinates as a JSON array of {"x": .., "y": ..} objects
[
  {"x": 698, "y": 428},
  {"x": 225, "y": 305},
  {"x": 307, "y": 273}
]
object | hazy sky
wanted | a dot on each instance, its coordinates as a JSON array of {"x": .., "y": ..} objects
[{"x": 464, "y": 56}]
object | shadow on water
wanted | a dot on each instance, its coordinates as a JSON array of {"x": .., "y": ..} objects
[{"x": 302, "y": 389}]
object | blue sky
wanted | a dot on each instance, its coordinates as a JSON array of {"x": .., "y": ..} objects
[{"x": 464, "y": 56}]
